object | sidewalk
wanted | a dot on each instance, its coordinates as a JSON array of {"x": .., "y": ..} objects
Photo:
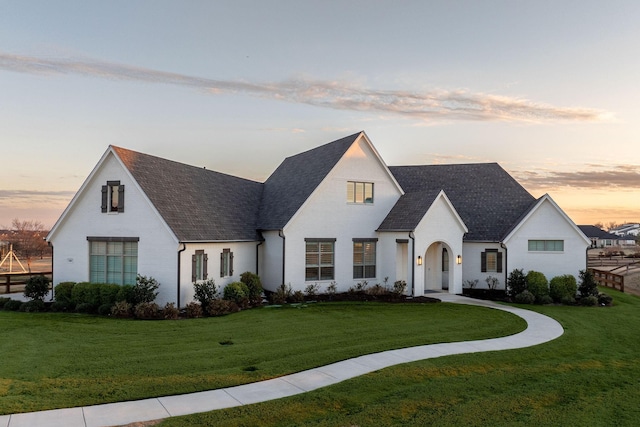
[{"x": 540, "y": 329}]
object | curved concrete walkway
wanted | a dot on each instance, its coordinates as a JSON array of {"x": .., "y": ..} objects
[{"x": 540, "y": 329}]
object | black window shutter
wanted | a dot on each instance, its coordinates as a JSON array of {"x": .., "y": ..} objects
[
  {"x": 121, "y": 198},
  {"x": 483, "y": 262},
  {"x": 231, "y": 264},
  {"x": 204, "y": 266},
  {"x": 221, "y": 264},
  {"x": 105, "y": 189},
  {"x": 499, "y": 268},
  {"x": 193, "y": 268}
]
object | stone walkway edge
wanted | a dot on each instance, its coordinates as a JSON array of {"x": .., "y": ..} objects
[{"x": 540, "y": 329}]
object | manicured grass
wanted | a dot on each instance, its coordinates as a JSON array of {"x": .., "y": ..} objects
[
  {"x": 588, "y": 377},
  {"x": 65, "y": 360}
]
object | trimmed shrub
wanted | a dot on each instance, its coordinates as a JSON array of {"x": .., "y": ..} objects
[
  {"x": 147, "y": 311},
  {"x": 221, "y": 307},
  {"x": 108, "y": 293},
  {"x": 516, "y": 282},
  {"x": 254, "y": 287},
  {"x": 193, "y": 310},
  {"x": 568, "y": 300},
  {"x": 537, "y": 284},
  {"x": 525, "y": 297},
  {"x": 237, "y": 292},
  {"x": 145, "y": 289},
  {"x": 36, "y": 288},
  {"x": 33, "y": 306},
  {"x": 13, "y": 305},
  {"x": 105, "y": 309},
  {"x": 61, "y": 306},
  {"x": 3, "y": 301},
  {"x": 589, "y": 301},
  {"x": 85, "y": 307},
  {"x": 545, "y": 299},
  {"x": 204, "y": 293},
  {"x": 125, "y": 293},
  {"x": 604, "y": 299},
  {"x": 87, "y": 294},
  {"x": 562, "y": 287},
  {"x": 588, "y": 285},
  {"x": 62, "y": 291},
  {"x": 170, "y": 312},
  {"x": 122, "y": 310}
]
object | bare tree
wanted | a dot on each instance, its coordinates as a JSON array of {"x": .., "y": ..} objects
[
  {"x": 27, "y": 238},
  {"x": 611, "y": 225},
  {"x": 599, "y": 225}
]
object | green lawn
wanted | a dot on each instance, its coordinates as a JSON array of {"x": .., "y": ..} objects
[
  {"x": 588, "y": 377},
  {"x": 53, "y": 360}
]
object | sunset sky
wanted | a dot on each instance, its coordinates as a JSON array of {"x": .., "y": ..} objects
[{"x": 548, "y": 89}]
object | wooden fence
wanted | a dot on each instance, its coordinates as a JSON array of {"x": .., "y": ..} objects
[
  {"x": 608, "y": 279},
  {"x": 20, "y": 278}
]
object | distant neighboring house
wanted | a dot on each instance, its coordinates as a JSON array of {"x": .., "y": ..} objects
[
  {"x": 336, "y": 214},
  {"x": 599, "y": 238},
  {"x": 627, "y": 233}
]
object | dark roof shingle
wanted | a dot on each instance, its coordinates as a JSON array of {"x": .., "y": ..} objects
[{"x": 197, "y": 204}]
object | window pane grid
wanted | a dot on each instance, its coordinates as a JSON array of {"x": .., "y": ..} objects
[
  {"x": 546, "y": 245},
  {"x": 113, "y": 262},
  {"x": 364, "y": 260},
  {"x": 359, "y": 192},
  {"x": 319, "y": 260}
]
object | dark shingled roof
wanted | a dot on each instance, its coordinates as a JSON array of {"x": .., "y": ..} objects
[
  {"x": 595, "y": 232},
  {"x": 291, "y": 184},
  {"x": 408, "y": 211},
  {"x": 197, "y": 204},
  {"x": 487, "y": 198}
]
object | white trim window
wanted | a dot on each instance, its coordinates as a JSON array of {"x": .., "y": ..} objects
[
  {"x": 360, "y": 192},
  {"x": 319, "y": 259},
  {"x": 546, "y": 245},
  {"x": 364, "y": 258}
]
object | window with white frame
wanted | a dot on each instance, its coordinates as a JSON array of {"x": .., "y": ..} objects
[
  {"x": 113, "y": 260},
  {"x": 319, "y": 259},
  {"x": 364, "y": 258},
  {"x": 546, "y": 245},
  {"x": 359, "y": 192}
]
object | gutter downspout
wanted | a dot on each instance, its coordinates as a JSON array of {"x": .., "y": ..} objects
[
  {"x": 413, "y": 260},
  {"x": 284, "y": 241},
  {"x": 184, "y": 247},
  {"x": 52, "y": 289},
  {"x": 506, "y": 270},
  {"x": 257, "y": 256}
]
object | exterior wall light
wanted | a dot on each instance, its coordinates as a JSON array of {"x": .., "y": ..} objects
[
  {"x": 419, "y": 260},
  {"x": 459, "y": 260}
]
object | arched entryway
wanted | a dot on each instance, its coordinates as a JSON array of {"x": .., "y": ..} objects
[{"x": 437, "y": 265}]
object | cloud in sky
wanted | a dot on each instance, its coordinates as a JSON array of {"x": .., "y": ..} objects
[
  {"x": 620, "y": 177},
  {"x": 431, "y": 105}
]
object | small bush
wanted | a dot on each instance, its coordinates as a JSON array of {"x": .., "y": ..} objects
[
  {"x": 12, "y": 305},
  {"x": 63, "y": 290},
  {"x": 122, "y": 310},
  {"x": 254, "y": 287},
  {"x": 563, "y": 286},
  {"x": 470, "y": 284},
  {"x": 281, "y": 295},
  {"x": 537, "y": 284},
  {"x": 359, "y": 288},
  {"x": 568, "y": 300},
  {"x": 3, "y": 301},
  {"x": 170, "y": 312},
  {"x": 297, "y": 296},
  {"x": 108, "y": 294},
  {"x": 193, "y": 310},
  {"x": 147, "y": 311},
  {"x": 36, "y": 288},
  {"x": 545, "y": 299},
  {"x": 399, "y": 287},
  {"x": 377, "y": 290},
  {"x": 312, "y": 290},
  {"x": 492, "y": 282},
  {"x": 221, "y": 307},
  {"x": 332, "y": 288},
  {"x": 525, "y": 297},
  {"x": 205, "y": 292},
  {"x": 61, "y": 306},
  {"x": 85, "y": 307},
  {"x": 145, "y": 289},
  {"x": 87, "y": 294},
  {"x": 105, "y": 309},
  {"x": 33, "y": 306},
  {"x": 589, "y": 301},
  {"x": 588, "y": 285},
  {"x": 237, "y": 292},
  {"x": 604, "y": 299},
  {"x": 516, "y": 282},
  {"x": 126, "y": 293}
]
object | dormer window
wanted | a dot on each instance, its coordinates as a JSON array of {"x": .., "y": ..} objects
[
  {"x": 113, "y": 197},
  {"x": 359, "y": 192}
]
